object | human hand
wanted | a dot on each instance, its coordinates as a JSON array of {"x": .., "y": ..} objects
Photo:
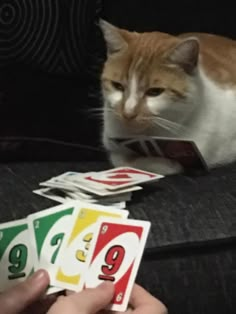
[
  {"x": 17, "y": 299},
  {"x": 89, "y": 301},
  {"x": 143, "y": 302},
  {"x": 93, "y": 301}
]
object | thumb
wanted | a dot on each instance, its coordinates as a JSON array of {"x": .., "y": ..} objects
[
  {"x": 89, "y": 301},
  {"x": 93, "y": 300},
  {"x": 16, "y": 299}
]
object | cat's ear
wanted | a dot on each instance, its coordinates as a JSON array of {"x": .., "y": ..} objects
[
  {"x": 186, "y": 54},
  {"x": 115, "y": 38}
]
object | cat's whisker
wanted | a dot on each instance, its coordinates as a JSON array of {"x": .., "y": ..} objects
[
  {"x": 97, "y": 115},
  {"x": 109, "y": 110},
  {"x": 99, "y": 111},
  {"x": 96, "y": 110},
  {"x": 172, "y": 127},
  {"x": 165, "y": 126},
  {"x": 172, "y": 124}
]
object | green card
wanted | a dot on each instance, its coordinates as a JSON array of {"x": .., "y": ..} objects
[
  {"x": 16, "y": 258},
  {"x": 47, "y": 230}
]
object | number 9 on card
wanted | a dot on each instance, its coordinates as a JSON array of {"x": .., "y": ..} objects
[
  {"x": 115, "y": 256},
  {"x": 16, "y": 262}
]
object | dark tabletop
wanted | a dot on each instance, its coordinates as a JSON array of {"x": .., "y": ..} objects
[{"x": 183, "y": 210}]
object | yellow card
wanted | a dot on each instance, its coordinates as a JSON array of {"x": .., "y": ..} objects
[{"x": 72, "y": 256}]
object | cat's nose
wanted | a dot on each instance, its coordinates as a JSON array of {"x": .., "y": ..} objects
[
  {"x": 129, "y": 115},
  {"x": 129, "y": 108}
]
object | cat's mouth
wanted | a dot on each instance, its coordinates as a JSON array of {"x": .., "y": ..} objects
[{"x": 137, "y": 125}]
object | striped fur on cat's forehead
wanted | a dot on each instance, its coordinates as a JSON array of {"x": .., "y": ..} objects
[
  {"x": 218, "y": 54},
  {"x": 145, "y": 61}
]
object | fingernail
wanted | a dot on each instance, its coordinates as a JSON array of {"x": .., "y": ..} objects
[
  {"x": 39, "y": 275},
  {"x": 106, "y": 285}
]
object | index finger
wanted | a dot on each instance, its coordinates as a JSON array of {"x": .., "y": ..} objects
[
  {"x": 89, "y": 301},
  {"x": 19, "y": 297},
  {"x": 143, "y": 302}
]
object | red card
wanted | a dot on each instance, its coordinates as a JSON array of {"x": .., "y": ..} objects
[
  {"x": 121, "y": 177},
  {"x": 183, "y": 151},
  {"x": 115, "y": 256}
]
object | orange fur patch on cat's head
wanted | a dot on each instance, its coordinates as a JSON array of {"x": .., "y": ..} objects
[{"x": 145, "y": 73}]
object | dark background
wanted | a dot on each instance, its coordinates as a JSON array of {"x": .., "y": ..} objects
[
  {"x": 51, "y": 56},
  {"x": 172, "y": 16}
]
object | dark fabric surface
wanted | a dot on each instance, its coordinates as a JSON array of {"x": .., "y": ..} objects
[
  {"x": 38, "y": 149},
  {"x": 184, "y": 211},
  {"x": 198, "y": 281}
]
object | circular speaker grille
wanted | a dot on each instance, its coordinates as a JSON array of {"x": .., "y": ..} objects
[{"x": 51, "y": 34}]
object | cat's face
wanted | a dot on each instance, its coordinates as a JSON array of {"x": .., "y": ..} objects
[{"x": 148, "y": 76}]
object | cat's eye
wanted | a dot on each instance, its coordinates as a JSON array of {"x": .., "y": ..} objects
[
  {"x": 154, "y": 91},
  {"x": 117, "y": 86}
]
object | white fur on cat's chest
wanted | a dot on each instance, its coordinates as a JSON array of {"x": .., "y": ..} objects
[{"x": 215, "y": 130}]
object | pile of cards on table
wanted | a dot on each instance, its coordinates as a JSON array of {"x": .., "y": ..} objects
[
  {"x": 80, "y": 245},
  {"x": 110, "y": 187}
]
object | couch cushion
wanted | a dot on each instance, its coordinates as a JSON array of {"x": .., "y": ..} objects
[{"x": 48, "y": 61}]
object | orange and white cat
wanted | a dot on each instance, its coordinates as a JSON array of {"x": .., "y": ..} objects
[{"x": 156, "y": 84}]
